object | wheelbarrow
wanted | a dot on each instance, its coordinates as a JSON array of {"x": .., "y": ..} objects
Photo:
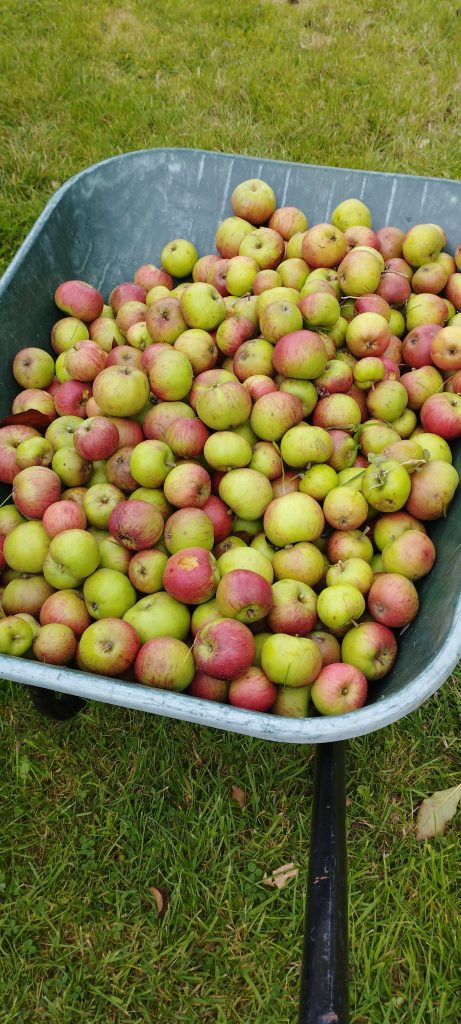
[{"x": 100, "y": 226}]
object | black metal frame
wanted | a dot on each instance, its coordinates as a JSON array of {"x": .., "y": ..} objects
[{"x": 324, "y": 971}]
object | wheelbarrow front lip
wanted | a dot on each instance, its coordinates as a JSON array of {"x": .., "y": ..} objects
[{"x": 386, "y": 708}]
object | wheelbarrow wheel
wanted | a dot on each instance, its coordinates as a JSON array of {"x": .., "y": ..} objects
[{"x": 57, "y": 706}]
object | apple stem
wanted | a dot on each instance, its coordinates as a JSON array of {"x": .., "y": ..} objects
[{"x": 6, "y": 499}]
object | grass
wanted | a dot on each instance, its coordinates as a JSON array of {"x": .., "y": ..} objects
[{"x": 100, "y": 810}]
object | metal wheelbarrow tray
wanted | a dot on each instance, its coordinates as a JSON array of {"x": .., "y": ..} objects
[{"x": 100, "y": 226}]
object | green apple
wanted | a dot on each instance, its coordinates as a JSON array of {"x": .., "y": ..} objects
[
  {"x": 150, "y": 463},
  {"x": 159, "y": 615},
  {"x": 26, "y": 546},
  {"x": 108, "y": 594},
  {"x": 290, "y": 660},
  {"x": 339, "y": 605},
  {"x": 72, "y": 556},
  {"x": 16, "y": 635},
  {"x": 178, "y": 257}
]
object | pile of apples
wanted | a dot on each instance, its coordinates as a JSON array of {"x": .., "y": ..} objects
[{"x": 222, "y": 482}]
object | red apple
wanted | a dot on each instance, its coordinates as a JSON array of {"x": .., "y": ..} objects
[
  {"x": 208, "y": 688},
  {"x": 244, "y": 595},
  {"x": 191, "y": 575},
  {"x": 339, "y": 688},
  {"x": 63, "y": 515},
  {"x": 96, "y": 438},
  {"x": 136, "y": 524},
  {"x": 225, "y": 648},
  {"x": 252, "y": 690}
]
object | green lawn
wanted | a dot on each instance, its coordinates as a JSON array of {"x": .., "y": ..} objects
[{"x": 100, "y": 810}]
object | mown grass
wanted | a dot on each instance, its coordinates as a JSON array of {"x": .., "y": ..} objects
[{"x": 100, "y": 810}]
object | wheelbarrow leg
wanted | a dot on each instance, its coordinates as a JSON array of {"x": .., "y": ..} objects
[
  {"x": 324, "y": 973},
  {"x": 59, "y": 707}
]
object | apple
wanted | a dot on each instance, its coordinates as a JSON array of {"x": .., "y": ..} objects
[
  {"x": 84, "y": 360},
  {"x": 33, "y": 368},
  {"x": 340, "y": 605},
  {"x": 453, "y": 290},
  {"x": 288, "y": 221},
  {"x": 300, "y": 354},
  {"x": 178, "y": 257},
  {"x": 339, "y": 689},
  {"x": 441, "y": 414},
  {"x": 423, "y": 243},
  {"x": 150, "y": 463},
  {"x": 286, "y": 483},
  {"x": 254, "y": 356},
  {"x": 203, "y": 613},
  {"x": 16, "y": 635},
  {"x": 290, "y": 660},
  {"x": 145, "y": 570},
  {"x": 25, "y": 594},
  {"x": 242, "y": 557},
  {"x": 432, "y": 489},
  {"x": 280, "y": 318},
  {"x": 34, "y": 489},
  {"x": 445, "y": 348},
  {"x": 388, "y": 399},
  {"x": 63, "y": 515},
  {"x": 191, "y": 575},
  {"x": 232, "y": 332},
  {"x": 244, "y": 595},
  {"x": 208, "y": 688},
  {"x": 411, "y": 554},
  {"x": 246, "y": 492},
  {"x": 34, "y": 451},
  {"x": 108, "y": 647},
  {"x": 266, "y": 459},
  {"x": 293, "y": 517},
  {"x": 425, "y": 308},
  {"x": 203, "y": 265},
  {"x": 199, "y": 347},
  {"x": 345, "y": 508},
  {"x": 170, "y": 374},
  {"x": 304, "y": 443},
  {"x": 319, "y": 311},
  {"x": 350, "y": 213},
  {"x": 136, "y": 524},
  {"x": 220, "y": 515},
  {"x": 252, "y": 690},
  {"x": 254, "y": 201},
  {"x": 164, "y": 320},
  {"x": 240, "y": 275},
  {"x": 337, "y": 412},
  {"x": 267, "y": 279},
  {"x": 187, "y": 485},
  {"x": 188, "y": 527},
  {"x": 358, "y": 234},
  {"x": 292, "y": 702},
  {"x": 225, "y": 450},
  {"x": 71, "y": 468},
  {"x": 292, "y": 273},
  {"x": 388, "y": 527},
  {"x": 324, "y": 245},
  {"x": 158, "y": 615},
  {"x": 66, "y": 332},
  {"x": 202, "y": 306},
  {"x": 127, "y": 291},
  {"x": 386, "y": 485},
  {"x": 79, "y": 299},
  {"x": 433, "y": 446},
  {"x": 393, "y": 600},
  {"x": 224, "y": 405},
  {"x": 35, "y": 398},
  {"x": 302, "y": 561},
  {"x": 328, "y": 645},
  {"x": 368, "y": 334},
  {"x": 149, "y": 276},
  {"x": 359, "y": 272},
  {"x": 224, "y": 648},
  {"x": 55, "y": 644},
  {"x": 294, "y": 609},
  {"x": 118, "y": 469},
  {"x": 60, "y": 433},
  {"x": 9, "y": 518},
  {"x": 430, "y": 277},
  {"x": 336, "y": 378},
  {"x": 66, "y": 607},
  {"x": 10, "y": 439},
  {"x": 108, "y": 594},
  {"x": 420, "y": 384},
  {"x": 390, "y": 242},
  {"x": 265, "y": 246},
  {"x": 120, "y": 390},
  {"x": 230, "y": 234},
  {"x": 96, "y": 438},
  {"x": 370, "y": 647}
]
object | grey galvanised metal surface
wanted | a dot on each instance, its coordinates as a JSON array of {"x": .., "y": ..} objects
[{"x": 100, "y": 226}]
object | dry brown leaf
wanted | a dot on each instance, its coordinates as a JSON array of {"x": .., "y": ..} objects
[
  {"x": 238, "y": 796},
  {"x": 162, "y": 899},
  {"x": 436, "y": 811},
  {"x": 279, "y": 878}
]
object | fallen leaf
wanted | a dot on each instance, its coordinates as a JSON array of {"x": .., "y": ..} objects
[
  {"x": 436, "y": 811},
  {"x": 30, "y": 418},
  {"x": 279, "y": 878},
  {"x": 238, "y": 796},
  {"x": 162, "y": 899}
]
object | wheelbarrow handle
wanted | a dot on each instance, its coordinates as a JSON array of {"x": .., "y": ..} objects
[{"x": 324, "y": 973}]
